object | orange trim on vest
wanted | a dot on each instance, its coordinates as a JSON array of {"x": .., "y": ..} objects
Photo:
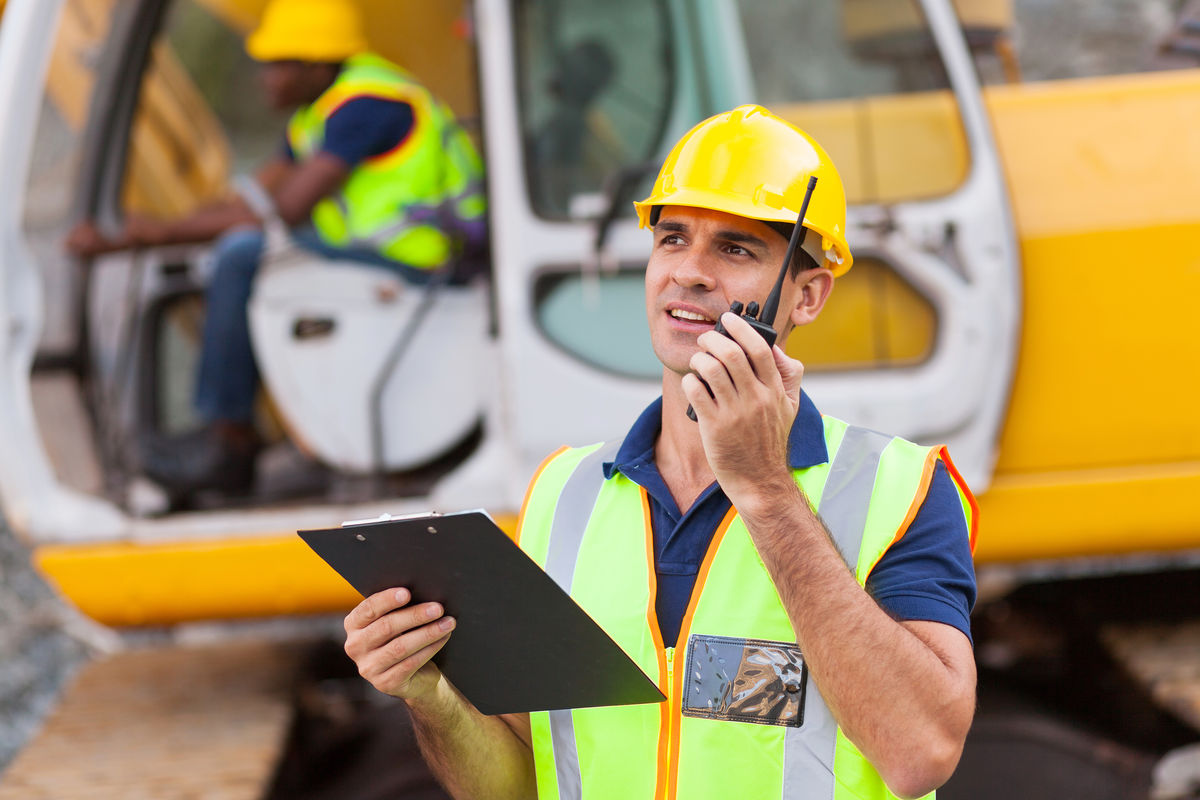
[
  {"x": 341, "y": 101},
  {"x": 913, "y": 508},
  {"x": 664, "y": 709},
  {"x": 926, "y": 479},
  {"x": 676, "y": 694},
  {"x": 705, "y": 566},
  {"x": 529, "y": 490},
  {"x": 966, "y": 492},
  {"x": 408, "y": 137}
]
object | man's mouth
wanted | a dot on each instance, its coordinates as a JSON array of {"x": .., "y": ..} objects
[{"x": 690, "y": 316}]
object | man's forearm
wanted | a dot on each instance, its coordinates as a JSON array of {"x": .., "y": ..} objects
[
  {"x": 209, "y": 222},
  {"x": 904, "y": 704},
  {"x": 475, "y": 757}
]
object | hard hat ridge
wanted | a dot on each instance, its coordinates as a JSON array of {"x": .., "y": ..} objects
[
  {"x": 327, "y": 31},
  {"x": 750, "y": 162}
]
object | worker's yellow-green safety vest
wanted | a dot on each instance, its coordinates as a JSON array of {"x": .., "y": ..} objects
[
  {"x": 741, "y": 717},
  {"x": 436, "y": 168}
]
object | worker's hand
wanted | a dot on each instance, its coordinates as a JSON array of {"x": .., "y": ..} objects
[
  {"x": 85, "y": 240},
  {"x": 745, "y": 422},
  {"x": 392, "y": 642}
]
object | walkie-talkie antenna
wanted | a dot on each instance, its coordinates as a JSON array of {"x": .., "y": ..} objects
[{"x": 771, "y": 307}]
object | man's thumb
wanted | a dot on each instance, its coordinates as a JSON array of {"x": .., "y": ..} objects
[{"x": 790, "y": 370}]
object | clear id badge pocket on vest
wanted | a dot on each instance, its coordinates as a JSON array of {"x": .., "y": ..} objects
[{"x": 745, "y": 680}]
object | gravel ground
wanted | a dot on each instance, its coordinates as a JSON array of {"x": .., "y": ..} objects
[{"x": 37, "y": 655}]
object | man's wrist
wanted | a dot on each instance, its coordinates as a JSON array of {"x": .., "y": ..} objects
[
  {"x": 439, "y": 701},
  {"x": 770, "y": 499}
]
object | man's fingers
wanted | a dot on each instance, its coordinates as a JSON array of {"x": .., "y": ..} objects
[
  {"x": 392, "y": 678},
  {"x": 752, "y": 344},
  {"x": 390, "y": 627},
  {"x": 375, "y": 607},
  {"x": 405, "y": 651},
  {"x": 713, "y": 372},
  {"x": 791, "y": 372},
  {"x": 696, "y": 394}
]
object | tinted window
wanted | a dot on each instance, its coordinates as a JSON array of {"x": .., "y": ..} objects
[{"x": 594, "y": 83}]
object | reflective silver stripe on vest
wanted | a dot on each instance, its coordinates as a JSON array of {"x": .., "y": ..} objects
[
  {"x": 572, "y": 512},
  {"x": 848, "y": 489},
  {"x": 808, "y": 751},
  {"x": 384, "y": 236},
  {"x": 571, "y": 515}
]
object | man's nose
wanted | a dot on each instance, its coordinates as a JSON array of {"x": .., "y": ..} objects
[{"x": 693, "y": 270}]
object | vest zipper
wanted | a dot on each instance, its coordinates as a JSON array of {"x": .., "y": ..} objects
[{"x": 672, "y": 726}]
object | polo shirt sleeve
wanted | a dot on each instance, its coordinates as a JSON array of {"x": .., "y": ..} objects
[
  {"x": 364, "y": 127},
  {"x": 929, "y": 574}
]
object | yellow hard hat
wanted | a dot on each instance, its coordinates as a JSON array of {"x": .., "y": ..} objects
[
  {"x": 751, "y": 163},
  {"x": 307, "y": 30}
]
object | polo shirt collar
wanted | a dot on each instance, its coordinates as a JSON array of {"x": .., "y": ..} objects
[{"x": 806, "y": 441}]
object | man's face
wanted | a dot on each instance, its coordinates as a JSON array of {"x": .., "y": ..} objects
[
  {"x": 702, "y": 261},
  {"x": 291, "y": 84}
]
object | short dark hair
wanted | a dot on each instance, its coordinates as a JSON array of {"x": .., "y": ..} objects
[{"x": 802, "y": 261}]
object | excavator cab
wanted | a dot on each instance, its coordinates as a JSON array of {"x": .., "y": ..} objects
[
  {"x": 383, "y": 397},
  {"x": 364, "y": 375}
]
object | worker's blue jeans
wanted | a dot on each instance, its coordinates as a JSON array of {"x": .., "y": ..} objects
[{"x": 228, "y": 377}]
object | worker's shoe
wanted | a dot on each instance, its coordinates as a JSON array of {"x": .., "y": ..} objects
[{"x": 220, "y": 457}]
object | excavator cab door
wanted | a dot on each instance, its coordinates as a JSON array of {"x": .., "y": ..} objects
[{"x": 918, "y": 338}]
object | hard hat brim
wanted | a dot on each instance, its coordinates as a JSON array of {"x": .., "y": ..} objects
[{"x": 692, "y": 197}]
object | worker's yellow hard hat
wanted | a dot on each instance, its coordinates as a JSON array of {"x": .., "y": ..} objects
[
  {"x": 751, "y": 163},
  {"x": 307, "y": 30}
]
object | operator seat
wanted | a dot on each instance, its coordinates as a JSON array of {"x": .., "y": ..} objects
[{"x": 369, "y": 372}]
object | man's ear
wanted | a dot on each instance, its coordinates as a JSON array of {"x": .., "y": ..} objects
[{"x": 815, "y": 286}]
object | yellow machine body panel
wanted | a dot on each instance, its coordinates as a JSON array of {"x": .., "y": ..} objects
[
  {"x": 1100, "y": 453},
  {"x": 158, "y": 583}
]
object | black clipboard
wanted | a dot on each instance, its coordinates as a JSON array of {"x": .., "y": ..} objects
[{"x": 520, "y": 643}]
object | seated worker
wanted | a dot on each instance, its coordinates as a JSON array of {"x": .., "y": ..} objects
[
  {"x": 799, "y": 588},
  {"x": 373, "y": 169}
]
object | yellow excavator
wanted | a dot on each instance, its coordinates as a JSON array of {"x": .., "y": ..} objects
[{"x": 1027, "y": 260}]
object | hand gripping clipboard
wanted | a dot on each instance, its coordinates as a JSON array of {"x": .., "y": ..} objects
[{"x": 521, "y": 643}]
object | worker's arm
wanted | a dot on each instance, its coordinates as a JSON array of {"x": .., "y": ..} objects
[
  {"x": 298, "y": 191},
  {"x": 294, "y": 189},
  {"x": 903, "y": 692},
  {"x": 474, "y": 756}
]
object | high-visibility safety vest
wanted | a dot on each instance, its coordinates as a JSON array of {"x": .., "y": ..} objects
[
  {"x": 741, "y": 719},
  {"x": 435, "y": 172}
]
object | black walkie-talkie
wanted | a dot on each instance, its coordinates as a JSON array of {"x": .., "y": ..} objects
[{"x": 764, "y": 321}]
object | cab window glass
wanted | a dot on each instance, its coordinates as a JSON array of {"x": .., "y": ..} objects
[
  {"x": 599, "y": 318},
  {"x": 870, "y": 86},
  {"x": 1063, "y": 39},
  {"x": 873, "y": 320},
  {"x": 200, "y": 117},
  {"x": 595, "y": 85}
]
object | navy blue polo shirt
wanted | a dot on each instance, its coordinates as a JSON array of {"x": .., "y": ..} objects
[
  {"x": 364, "y": 127},
  {"x": 927, "y": 575}
]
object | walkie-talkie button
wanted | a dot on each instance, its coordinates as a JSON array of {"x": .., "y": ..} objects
[
  {"x": 752, "y": 309},
  {"x": 736, "y": 307}
]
